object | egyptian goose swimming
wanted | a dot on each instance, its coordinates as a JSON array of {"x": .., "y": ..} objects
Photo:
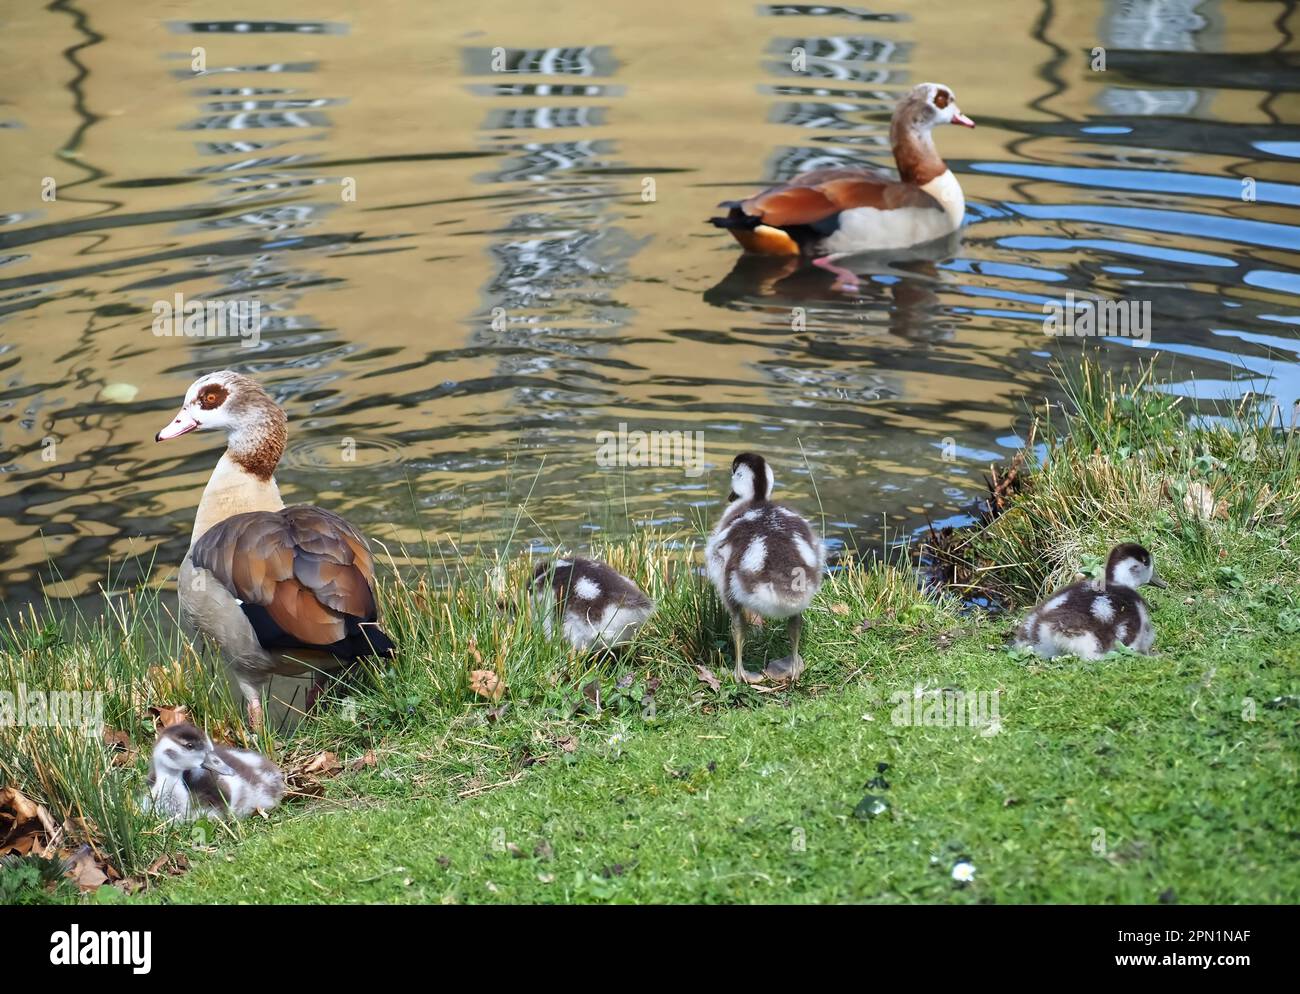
[
  {"x": 278, "y": 589},
  {"x": 835, "y": 212},
  {"x": 764, "y": 558},
  {"x": 593, "y": 602},
  {"x": 1089, "y": 620},
  {"x": 190, "y": 777}
]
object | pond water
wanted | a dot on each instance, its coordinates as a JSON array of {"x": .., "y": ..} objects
[{"x": 475, "y": 235}]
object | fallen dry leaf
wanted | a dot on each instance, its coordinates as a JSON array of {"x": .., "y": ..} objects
[
  {"x": 475, "y": 654},
  {"x": 119, "y": 743},
  {"x": 305, "y": 778},
  {"x": 706, "y": 675},
  {"x": 323, "y": 764},
  {"x": 1199, "y": 502},
  {"x": 165, "y": 716},
  {"x": 365, "y": 761},
  {"x": 487, "y": 684},
  {"x": 840, "y": 608},
  {"x": 567, "y": 744},
  {"x": 24, "y": 825},
  {"x": 84, "y": 871}
]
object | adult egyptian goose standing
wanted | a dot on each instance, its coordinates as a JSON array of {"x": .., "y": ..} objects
[
  {"x": 764, "y": 558},
  {"x": 278, "y": 589},
  {"x": 834, "y": 212}
]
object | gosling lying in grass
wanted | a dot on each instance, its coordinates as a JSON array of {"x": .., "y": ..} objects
[
  {"x": 1090, "y": 619},
  {"x": 190, "y": 777},
  {"x": 592, "y": 603}
]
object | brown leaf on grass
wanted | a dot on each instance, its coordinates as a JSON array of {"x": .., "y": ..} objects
[
  {"x": 487, "y": 684},
  {"x": 1199, "y": 503},
  {"x": 172, "y": 866},
  {"x": 323, "y": 764},
  {"x": 474, "y": 654},
  {"x": 25, "y": 826},
  {"x": 840, "y": 608},
  {"x": 364, "y": 761},
  {"x": 567, "y": 744},
  {"x": 305, "y": 778},
  {"x": 166, "y": 716},
  {"x": 706, "y": 675},
  {"x": 85, "y": 871},
  {"x": 119, "y": 743}
]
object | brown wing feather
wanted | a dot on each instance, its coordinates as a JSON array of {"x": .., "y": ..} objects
[
  {"x": 309, "y": 568},
  {"x": 813, "y": 196}
]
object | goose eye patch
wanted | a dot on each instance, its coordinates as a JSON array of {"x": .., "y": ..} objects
[
  {"x": 941, "y": 99},
  {"x": 212, "y": 396}
]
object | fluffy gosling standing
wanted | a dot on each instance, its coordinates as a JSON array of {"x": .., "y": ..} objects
[{"x": 765, "y": 558}]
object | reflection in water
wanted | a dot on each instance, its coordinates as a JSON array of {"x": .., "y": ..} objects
[{"x": 476, "y": 245}]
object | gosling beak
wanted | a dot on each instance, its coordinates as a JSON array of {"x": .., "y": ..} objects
[
  {"x": 1157, "y": 581},
  {"x": 180, "y": 425},
  {"x": 214, "y": 763},
  {"x": 963, "y": 120}
]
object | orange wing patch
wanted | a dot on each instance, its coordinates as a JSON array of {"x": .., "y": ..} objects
[
  {"x": 814, "y": 196},
  {"x": 310, "y": 569}
]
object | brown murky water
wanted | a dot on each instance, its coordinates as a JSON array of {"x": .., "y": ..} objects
[{"x": 475, "y": 236}]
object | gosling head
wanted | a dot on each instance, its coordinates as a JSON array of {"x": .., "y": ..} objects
[
  {"x": 1131, "y": 565},
  {"x": 751, "y": 478},
  {"x": 182, "y": 749}
]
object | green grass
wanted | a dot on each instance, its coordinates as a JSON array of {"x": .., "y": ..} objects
[{"x": 1129, "y": 779}]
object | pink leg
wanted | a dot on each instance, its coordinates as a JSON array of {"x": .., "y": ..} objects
[
  {"x": 844, "y": 280},
  {"x": 315, "y": 690}
]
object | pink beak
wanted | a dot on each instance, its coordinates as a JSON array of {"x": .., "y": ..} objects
[
  {"x": 963, "y": 120},
  {"x": 180, "y": 426}
]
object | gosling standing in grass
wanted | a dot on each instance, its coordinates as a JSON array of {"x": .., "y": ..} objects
[
  {"x": 190, "y": 777},
  {"x": 1090, "y": 619},
  {"x": 765, "y": 558},
  {"x": 591, "y": 602}
]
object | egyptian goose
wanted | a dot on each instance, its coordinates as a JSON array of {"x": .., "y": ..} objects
[
  {"x": 766, "y": 559},
  {"x": 835, "y": 212},
  {"x": 1089, "y": 620},
  {"x": 592, "y": 602},
  {"x": 190, "y": 777},
  {"x": 278, "y": 589}
]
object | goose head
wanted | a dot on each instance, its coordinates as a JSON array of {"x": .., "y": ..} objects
[
  {"x": 1131, "y": 565},
  {"x": 928, "y": 105},
  {"x": 751, "y": 478},
  {"x": 182, "y": 749},
  {"x": 230, "y": 402}
]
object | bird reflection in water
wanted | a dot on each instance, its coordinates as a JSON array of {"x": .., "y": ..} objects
[{"x": 905, "y": 283}]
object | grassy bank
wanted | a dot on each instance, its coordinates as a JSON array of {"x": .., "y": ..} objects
[{"x": 644, "y": 777}]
